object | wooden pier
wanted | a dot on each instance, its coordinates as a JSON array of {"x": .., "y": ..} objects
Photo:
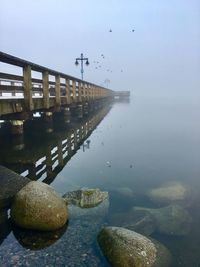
[{"x": 19, "y": 94}]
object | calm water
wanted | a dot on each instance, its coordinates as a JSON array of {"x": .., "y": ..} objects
[{"x": 147, "y": 142}]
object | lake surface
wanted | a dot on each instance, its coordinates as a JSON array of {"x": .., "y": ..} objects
[{"x": 138, "y": 146}]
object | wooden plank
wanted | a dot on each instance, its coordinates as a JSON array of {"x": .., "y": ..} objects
[
  {"x": 67, "y": 90},
  {"x": 27, "y": 87},
  {"x": 74, "y": 90},
  {"x": 45, "y": 78},
  {"x": 58, "y": 100}
]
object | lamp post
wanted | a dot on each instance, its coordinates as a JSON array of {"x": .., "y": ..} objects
[
  {"x": 107, "y": 81},
  {"x": 82, "y": 59}
]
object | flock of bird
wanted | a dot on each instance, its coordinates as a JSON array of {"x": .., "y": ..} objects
[
  {"x": 131, "y": 30},
  {"x": 98, "y": 64}
]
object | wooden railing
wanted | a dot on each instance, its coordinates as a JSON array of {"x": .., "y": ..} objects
[{"x": 43, "y": 93}]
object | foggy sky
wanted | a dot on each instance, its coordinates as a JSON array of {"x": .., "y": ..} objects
[{"x": 162, "y": 56}]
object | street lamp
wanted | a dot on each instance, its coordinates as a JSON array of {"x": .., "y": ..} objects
[
  {"x": 82, "y": 59},
  {"x": 107, "y": 81}
]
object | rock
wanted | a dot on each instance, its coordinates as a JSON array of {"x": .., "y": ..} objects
[
  {"x": 85, "y": 198},
  {"x": 170, "y": 220},
  {"x": 97, "y": 213},
  {"x": 125, "y": 191},
  {"x": 173, "y": 192},
  {"x": 137, "y": 221},
  {"x": 37, "y": 206},
  {"x": 125, "y": 248},
  {"x": 10, "y": 184}
]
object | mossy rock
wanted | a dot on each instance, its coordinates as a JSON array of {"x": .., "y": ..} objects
[
  {"x": 126, "y": 248},
  {"x": 38, "y": 206}
]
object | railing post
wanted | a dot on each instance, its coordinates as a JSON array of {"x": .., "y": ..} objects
[
  {"x": 74, "y": 90},
  {"x": 27, "y": 83},
  {"x": 95, "y": 92},
  {"x": 60, "y": 154},
  {"x": 13, "y": 91},
  {"x": 67, "y": 91},
  {"x": 80, "y": 98},
  {"x": 45, "y": 81},
  {"x": 48, "y": 161},
  {"x": 58, "y": 99},
  {"x": 69, "y": 143},
  {"x": 85, "y": 91},
  {"x": 91, "y": 92},
  {"x": 32, "y": 171}
]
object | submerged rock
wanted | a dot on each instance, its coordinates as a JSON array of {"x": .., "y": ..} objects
[
  {"x": 137, "y": 221},
  {"x": 37, "y": 206},
  {"x": 125, "y": 248},
  {"x": 85, "y": 198},
  {"x": 97, "y": 213},
  {"x": 125, "y": 191},
  {"x": 170, "y": 220},
  {"x": 173, "y": 192}
]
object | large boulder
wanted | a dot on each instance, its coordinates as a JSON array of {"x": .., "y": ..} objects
[
  {"x": 85, "y": 197},
  {"x": 38, "y": 206},
  {"x": 169, "y": 193},
  {"x": 126, "y": 248},
  {"x": 170, "y": 220}
]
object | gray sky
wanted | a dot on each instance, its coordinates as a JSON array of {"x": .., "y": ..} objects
[{"x": 162, "y": 56}]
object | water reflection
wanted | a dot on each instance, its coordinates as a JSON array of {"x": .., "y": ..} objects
[
  {"x": 36, "y": 240},
  {"x": 5, "y": 225},
  {"x": 43, "y": 156}
]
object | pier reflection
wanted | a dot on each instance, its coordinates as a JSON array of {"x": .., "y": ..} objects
[{"x": 43, "y": 154}]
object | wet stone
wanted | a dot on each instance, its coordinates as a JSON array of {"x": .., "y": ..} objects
[
  {"x": 85, "y": 197},
  {"x": 37, "y": 206},
  {"x": 74, "y": 248},
  {"x": 123, "y": 247}
]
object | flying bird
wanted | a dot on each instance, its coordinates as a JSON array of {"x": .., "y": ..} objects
[
  {"x": 110, "y": 30},
  {"x": 133, "y": 30}
]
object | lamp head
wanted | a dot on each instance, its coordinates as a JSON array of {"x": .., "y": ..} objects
[
  {"x": 87, "y": 62},
  {"x": 76, "y": 62}
]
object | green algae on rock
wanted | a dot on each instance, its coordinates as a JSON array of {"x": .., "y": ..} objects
[{"x": 85, "y": 197}]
